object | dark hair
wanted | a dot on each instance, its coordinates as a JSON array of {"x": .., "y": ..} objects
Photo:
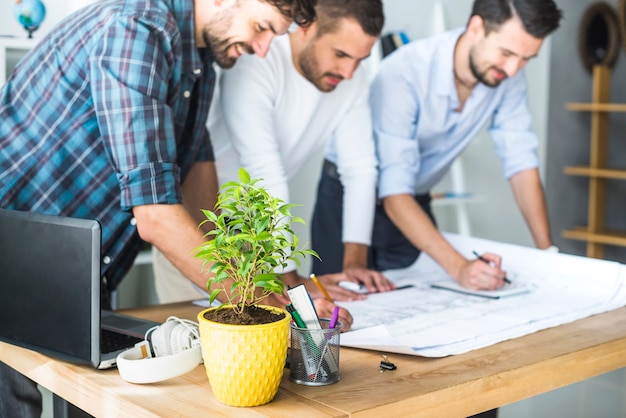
[
  {"x": 369, "y": 14},
  {"x": 301, "y": 11},
  {"x": 539, "y": 17}
]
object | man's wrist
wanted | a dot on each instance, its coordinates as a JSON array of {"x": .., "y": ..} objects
[
  {"x": 552, "y": 249},
  {"x": 355, "y": 256},
  {"x": 291, "y": 278}
]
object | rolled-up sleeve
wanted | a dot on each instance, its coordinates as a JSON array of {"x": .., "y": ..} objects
[
  {"x": 129, "y": 71},
  {"x": 395, "y": 111},
  {"x": 356, "y": 161},
  {"x": 515, "y": 142}
]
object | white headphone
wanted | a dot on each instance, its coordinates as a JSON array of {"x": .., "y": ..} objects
[{"x": 169, "y": 350}]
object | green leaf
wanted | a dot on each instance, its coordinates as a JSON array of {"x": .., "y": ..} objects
[
  {"x": 214, "y": 295},
  {"x": 244, "y": 176}
]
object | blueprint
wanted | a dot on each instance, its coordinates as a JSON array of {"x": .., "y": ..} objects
[{"x": 430, "y": 322}]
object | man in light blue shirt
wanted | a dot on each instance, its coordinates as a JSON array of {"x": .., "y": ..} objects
[{"x": 429, "y": 100}]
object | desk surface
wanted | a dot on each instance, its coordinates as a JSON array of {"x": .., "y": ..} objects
[{"x": 459, "y": 385}]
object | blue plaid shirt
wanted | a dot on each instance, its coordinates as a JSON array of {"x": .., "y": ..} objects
[{"x": 108, "y": 112}]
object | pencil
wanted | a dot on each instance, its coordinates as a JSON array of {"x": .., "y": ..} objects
[{"x": 319, "y": 285}]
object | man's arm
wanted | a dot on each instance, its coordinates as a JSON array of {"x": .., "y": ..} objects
[
  {"x": 175, "y": 233},
  {"x": 200, "y": 190},
  {"x": 530, "y": 198},
  {"x": 417, "y": 227}
]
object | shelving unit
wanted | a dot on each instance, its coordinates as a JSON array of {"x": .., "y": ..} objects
[
  {"x": 11, "y": 51},
  {"x": 595, "y": 233},
  {"x": 460, "y": 199}
]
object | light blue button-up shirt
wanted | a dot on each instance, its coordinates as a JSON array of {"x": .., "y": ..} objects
[{"x": 418, "y": 133}]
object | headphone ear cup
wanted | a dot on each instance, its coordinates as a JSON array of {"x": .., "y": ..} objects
[
  {"x": 177, "y": 343},
  {"x": 161, "y": 338},
  {"x": 184, "y": 337}
]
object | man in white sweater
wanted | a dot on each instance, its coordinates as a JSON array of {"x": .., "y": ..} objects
[{"x": 272, "y": 115}]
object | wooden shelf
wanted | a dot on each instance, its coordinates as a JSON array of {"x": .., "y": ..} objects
[
  {"x": 599, "y": 237},
  {"x": 606, "y": 173},
  {"x": 596, "y": 107},
  {"x": 595, "y": 233}
]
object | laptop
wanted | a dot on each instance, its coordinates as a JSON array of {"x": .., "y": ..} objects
[{"x": 50, "y": 291}]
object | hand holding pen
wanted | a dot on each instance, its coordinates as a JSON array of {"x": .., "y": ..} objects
[
  {"x": 484, "y": 273},
  {"x": 483, "y": 259}
]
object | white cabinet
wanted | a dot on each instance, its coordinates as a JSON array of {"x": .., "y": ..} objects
[{"x": 11, "y": 51}]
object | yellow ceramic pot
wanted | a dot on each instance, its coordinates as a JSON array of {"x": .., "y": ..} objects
[{"x": 244, "y": 363}]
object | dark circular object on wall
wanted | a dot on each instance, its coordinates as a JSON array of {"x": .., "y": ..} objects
[
  {"x": 599, "y": 38},
  {"x": 621, "y": 16}
]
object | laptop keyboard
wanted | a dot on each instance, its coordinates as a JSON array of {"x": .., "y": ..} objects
[{"x": 111, "y": 341}]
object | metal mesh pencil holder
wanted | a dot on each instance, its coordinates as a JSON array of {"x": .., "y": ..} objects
[{"x": 314, "y": 358}]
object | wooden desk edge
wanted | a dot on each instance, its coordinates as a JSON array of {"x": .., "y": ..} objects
[{"x": 499, "y": 374}]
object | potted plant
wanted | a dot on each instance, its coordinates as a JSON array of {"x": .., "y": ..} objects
[{"x": 244, "y": 343}]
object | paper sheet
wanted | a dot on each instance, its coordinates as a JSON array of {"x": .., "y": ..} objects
[{"x": 433, "y": 323}]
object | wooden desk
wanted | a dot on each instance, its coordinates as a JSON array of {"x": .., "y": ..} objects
[{"x": 459, "y": 385}]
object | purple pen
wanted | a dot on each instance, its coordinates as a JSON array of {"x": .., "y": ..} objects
[{"x": 334, "y": 318}]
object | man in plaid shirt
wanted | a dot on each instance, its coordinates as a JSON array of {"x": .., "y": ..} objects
[{"x": 105, "y": 119}]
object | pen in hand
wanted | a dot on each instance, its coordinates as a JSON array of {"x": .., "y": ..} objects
[{"x": 483, "y": 259}]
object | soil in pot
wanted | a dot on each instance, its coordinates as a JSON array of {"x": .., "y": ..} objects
[{"x": 252, "y": 315}]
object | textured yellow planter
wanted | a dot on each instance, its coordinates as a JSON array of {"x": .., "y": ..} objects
[{"x": 244, "y": 363}]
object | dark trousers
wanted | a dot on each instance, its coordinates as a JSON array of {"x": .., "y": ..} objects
[
  {"x": 19, "y": 396},
  {"x": 389, "y": 248},
  {"x": 326, "y": 223}
]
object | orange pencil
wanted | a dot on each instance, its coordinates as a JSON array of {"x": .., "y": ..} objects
[{"x": 319, "y": 285}]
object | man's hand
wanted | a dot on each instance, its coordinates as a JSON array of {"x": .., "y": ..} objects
[
  {"x": 373, "y": 280},
  {"x": 331, "y": 284},
  {"x": 356, "y": 271},
  {"x": 324, "y": 309},
  {"x": 480, "y": 275}
]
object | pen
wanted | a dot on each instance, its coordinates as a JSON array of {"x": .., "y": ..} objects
[
  {"x": 296, "y": 316},
  {"x": 334, "y": 318},
  {"x": 319, "y": 285},
  {"x": 481, "y": 258}
]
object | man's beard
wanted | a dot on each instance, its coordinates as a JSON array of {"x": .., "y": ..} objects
[
  {"x": 220, "y": 47},
  {"x": 482, "y": 76},
  {"x": 310, "y": 69}
]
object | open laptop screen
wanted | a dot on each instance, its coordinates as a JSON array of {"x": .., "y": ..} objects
[{"x": 50, "y": 284}]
